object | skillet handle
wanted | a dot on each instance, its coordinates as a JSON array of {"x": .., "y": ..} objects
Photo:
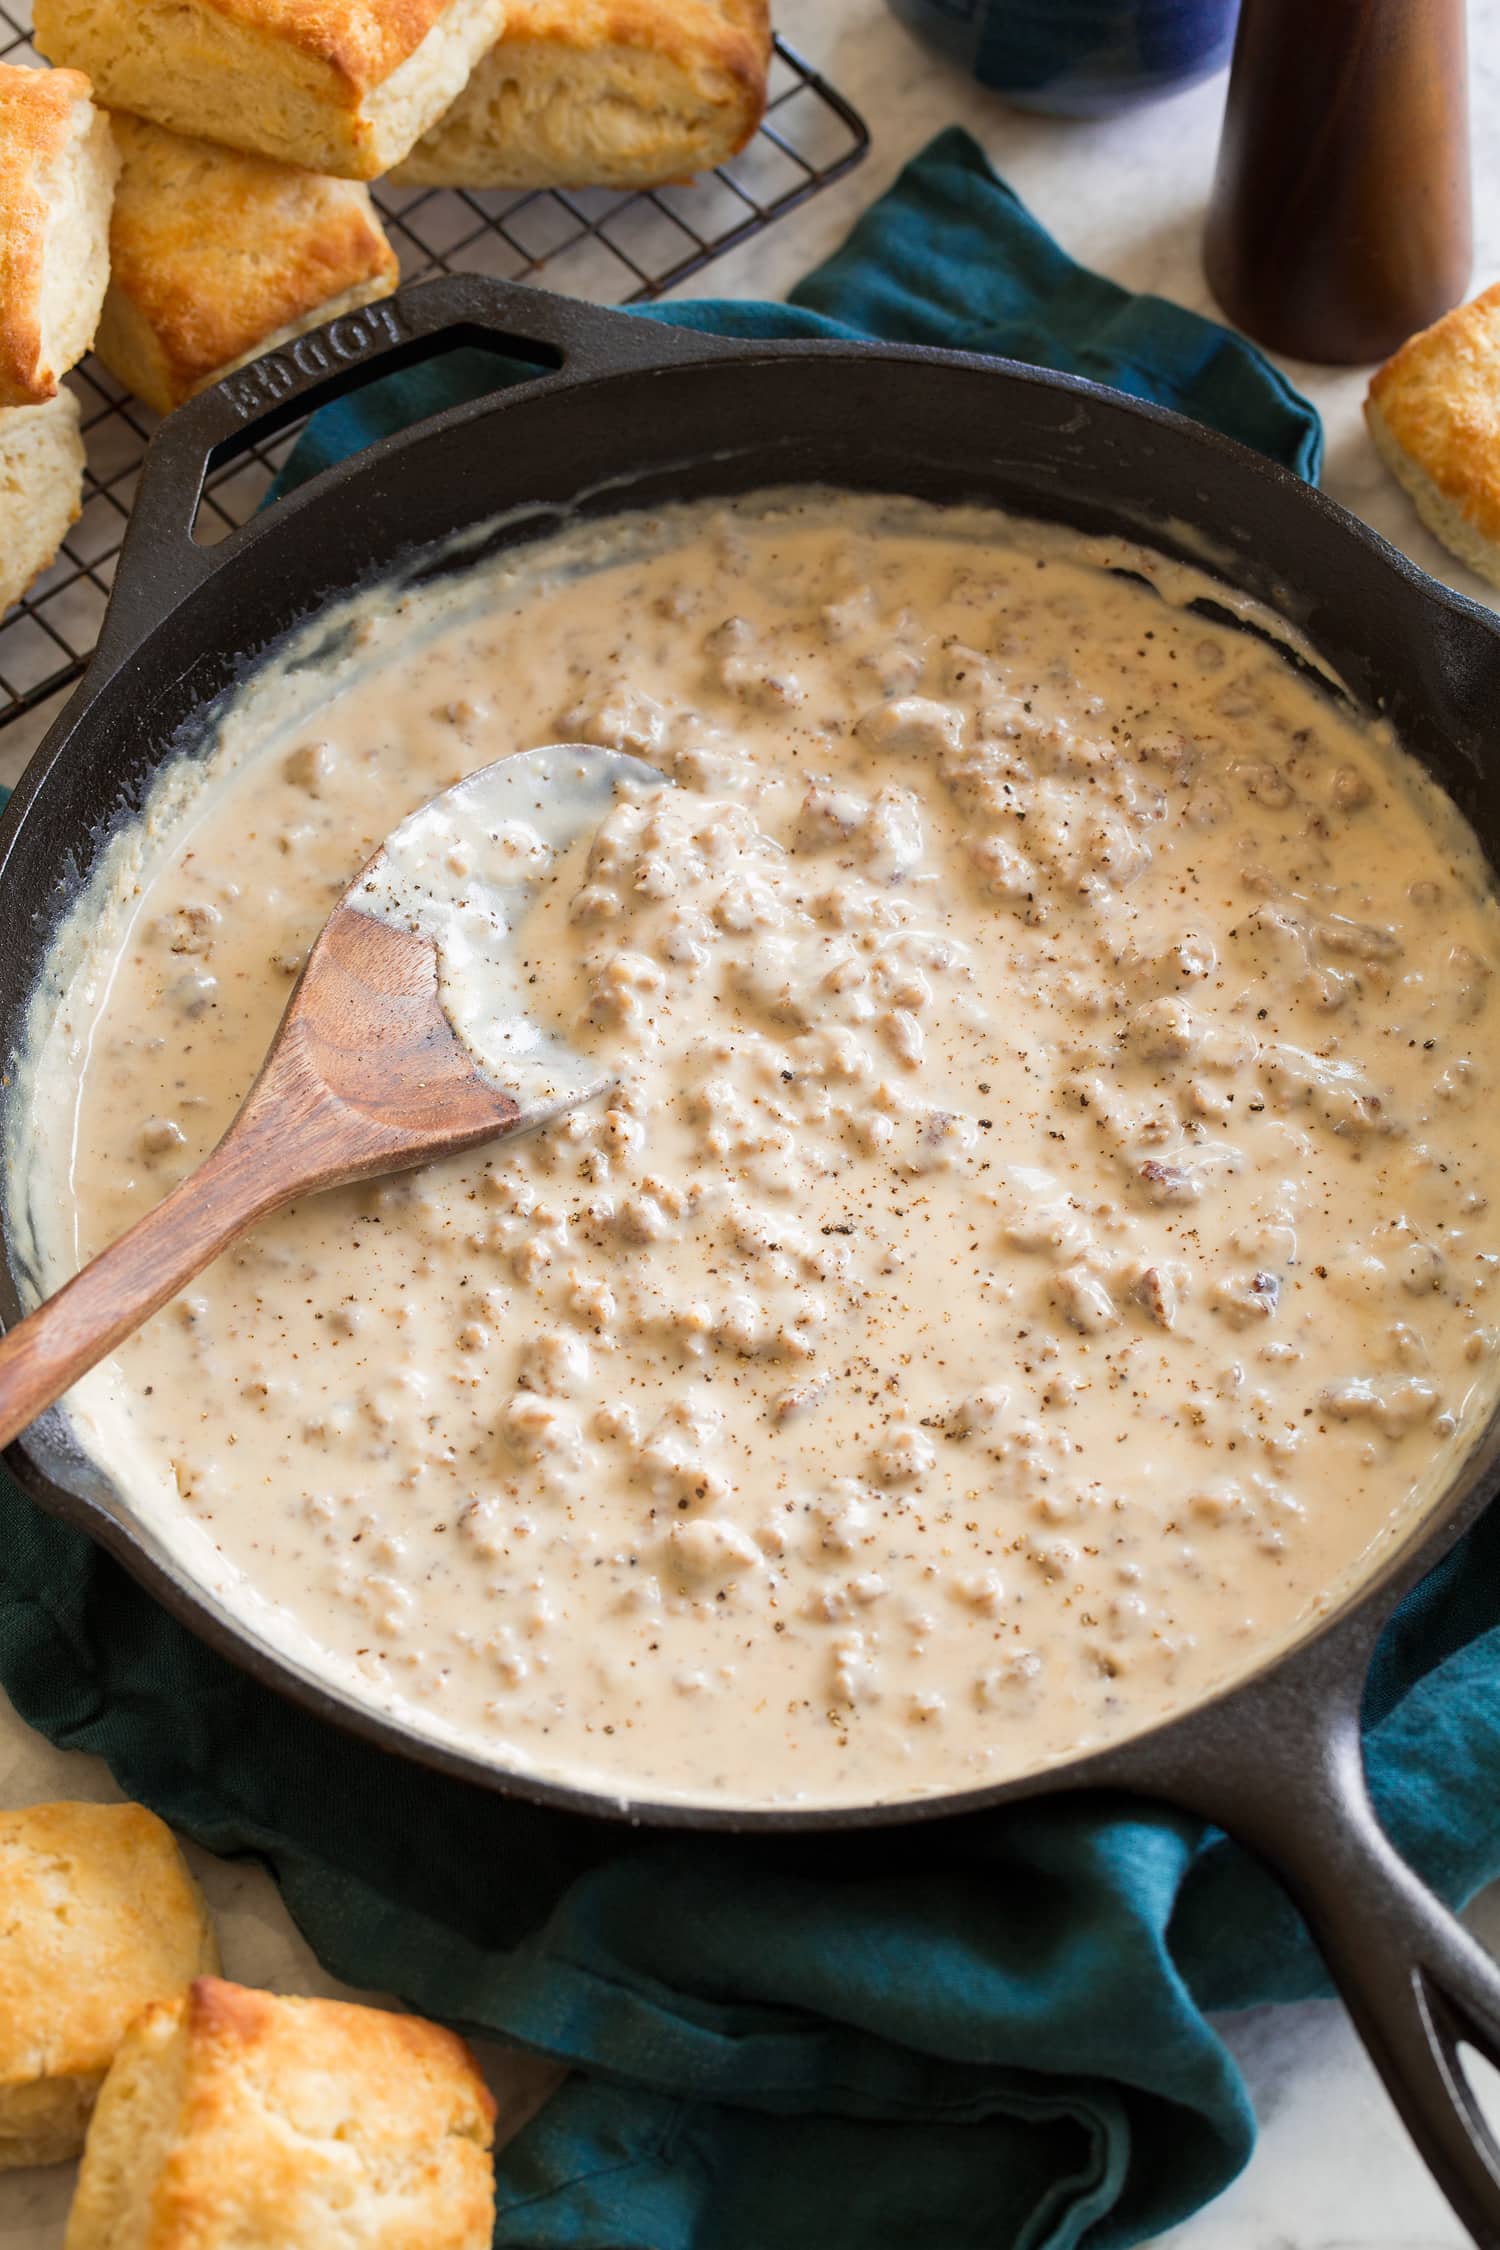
[
  {"x": 1416, "y": 1984},
  {"x": 567, "y": 340}
]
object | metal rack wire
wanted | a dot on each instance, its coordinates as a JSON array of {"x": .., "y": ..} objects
[{"x": 612, "y": 248}]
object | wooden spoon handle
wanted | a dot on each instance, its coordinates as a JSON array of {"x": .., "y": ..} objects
[
  {"x": 135, "y": 1276},
  {"x": 365, "y": 1076}
]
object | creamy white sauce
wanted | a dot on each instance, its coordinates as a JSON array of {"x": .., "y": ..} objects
[{"x": 1041, "y": 1240}]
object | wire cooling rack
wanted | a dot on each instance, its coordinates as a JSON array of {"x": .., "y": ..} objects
[{"x": 595, "y": 243}]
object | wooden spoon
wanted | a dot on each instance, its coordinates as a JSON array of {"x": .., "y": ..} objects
[{"x": 404, "y": 1040}]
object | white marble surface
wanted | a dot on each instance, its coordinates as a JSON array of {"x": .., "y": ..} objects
[{"x": 1333, "y": 2170}]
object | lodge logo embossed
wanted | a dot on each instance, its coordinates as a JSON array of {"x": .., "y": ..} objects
[{"x": 281, "y": 373}]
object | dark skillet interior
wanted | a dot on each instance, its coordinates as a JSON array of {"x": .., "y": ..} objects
[{"x": 935, "y": 426}]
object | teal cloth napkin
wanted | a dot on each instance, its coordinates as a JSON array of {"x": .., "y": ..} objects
[
  {"x": 952, "y": 257},
  {"x": 981, "y": 2035}
]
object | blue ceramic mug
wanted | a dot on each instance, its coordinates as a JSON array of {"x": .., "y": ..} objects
[{"x": 1080, "y": 58}]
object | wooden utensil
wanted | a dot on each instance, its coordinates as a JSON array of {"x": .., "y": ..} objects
[{"x": 366, "y": 1074}]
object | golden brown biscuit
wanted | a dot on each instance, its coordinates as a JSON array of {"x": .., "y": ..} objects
[
  {"x": 342, "y": 86},
  {"x": 603, "y": 93},
  {"x": 99, "y": 1918},
  {"x": 41, "y": 492},
  {"x": 217, "y": 257},
  {"x": 1434, "y": 413},
  {"x": 57, "y": 175},
  {"x": 234, "y": 2119}
]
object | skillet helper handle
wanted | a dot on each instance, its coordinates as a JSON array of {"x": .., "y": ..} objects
[
  {"x": 569, "y": 342},
  {"x": 1416, "y": 1984}
]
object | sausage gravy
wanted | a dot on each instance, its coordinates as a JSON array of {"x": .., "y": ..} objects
[{"x": 1042, "y": 1237}]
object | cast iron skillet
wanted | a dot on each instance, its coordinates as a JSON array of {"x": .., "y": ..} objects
[{"x": 623, "y": 413}]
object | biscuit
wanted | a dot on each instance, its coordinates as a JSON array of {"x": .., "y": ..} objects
[
  {"x": 603, "y": 93},
  {"x": 217, "y": 257},
  {"x": 41, "y": 493},
  {"x": 342, "y": 86},
  {"x": 99, "y": 1918},
  {"x": 233, "y": 2118},
  {"x": 57, "y": 175},
  {"x": 1434, "y": 413}
]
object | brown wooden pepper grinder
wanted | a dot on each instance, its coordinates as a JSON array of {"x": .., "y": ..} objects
[{"x": 1341, "y": 218}]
